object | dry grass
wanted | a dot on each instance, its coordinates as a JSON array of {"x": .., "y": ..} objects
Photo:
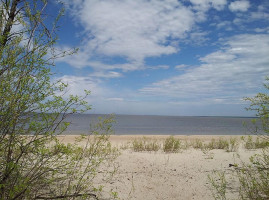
[
  {"x": 174, "y": 144},
  {"x": 145, "y": 144}
]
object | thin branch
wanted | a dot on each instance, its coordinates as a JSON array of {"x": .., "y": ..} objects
[{"x": 68, "y": 196}]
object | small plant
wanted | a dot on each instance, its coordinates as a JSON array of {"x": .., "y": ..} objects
[
  {"x": 257, "y": 144},
  {"x": 233, "y": 145},
  {"x": 197, "y": 144},
  {"x": 186, "y": 144},
  {"x": 125, "y": 146},
  {"x": 219, "y": 144},
  {"x": 261, "y": 143},
  {"x": 222, "y": 144},
  {"x": 249, "y": 144},
  {"x": 114, "y": 194},
  {"x": 219, "y": 184},
  {"x": 207, "y": 153},
  {"x": 254, "y": 177},
  {"x": 211, "y": 144},
  {"x": 171, "y": 145},
  {"x": 145, "y": 144},
  {"x": 137, "y": 145},
  {"x": 152, "y": 146}
]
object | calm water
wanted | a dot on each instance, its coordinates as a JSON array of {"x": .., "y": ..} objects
[{"x": 164, "y": 125}]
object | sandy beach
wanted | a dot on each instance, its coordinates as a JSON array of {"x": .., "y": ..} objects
[{"x": 160, "y": 175}]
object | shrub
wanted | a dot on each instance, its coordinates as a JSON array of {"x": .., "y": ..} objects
[
  {"x": 217, "y": 144},
  {"x": 233, "y": 145},
  {"x": 253, "y": 178},
  {"x": 219, "y": 185},
  {"x": 197, "y": 144},
  {"x": 211, "y": 144},
  {"x": 249, "y": 144},
  {"x": 34, "y": 164},
  {"x": 145, "y": 144},
  {"x": 171, "y": 145},
  {"x": 257, "y": 144},
  {"x": 222, "y": 144}
]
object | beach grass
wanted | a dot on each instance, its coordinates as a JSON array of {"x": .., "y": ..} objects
[
  {"x": 173, "y": 144},
  {"x": 145, "y": 144}
]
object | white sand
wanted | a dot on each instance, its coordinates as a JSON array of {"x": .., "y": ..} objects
[{"x": 159, "y": 175}]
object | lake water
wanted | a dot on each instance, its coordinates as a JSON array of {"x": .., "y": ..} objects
[{"x": 164, "y": 125}]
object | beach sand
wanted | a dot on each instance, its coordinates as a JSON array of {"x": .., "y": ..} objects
[{"x": 159, "y": 175}]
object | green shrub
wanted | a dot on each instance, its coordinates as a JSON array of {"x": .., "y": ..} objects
[
  {"x": 145, "y": 144},
  {"x": 222, "y": 144},
  {"x": 137, "y": 145},
  {"x": 233, "y": 145},
  {"x": 211, "y": 144},
  {"x": 254, "y": 177},
  {"x": 217, "y": 144},
  {"x": 261, "y": 143},
  {"x": 249, "y": 144},
  {"x": 171, "y": 145},
  {"x": 219, "y": 185},
  {"x": 257, "y": 144},
  {"x": 197, "y": 144}
]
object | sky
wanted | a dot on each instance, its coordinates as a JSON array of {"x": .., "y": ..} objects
[{"x": 165, "y": 57}]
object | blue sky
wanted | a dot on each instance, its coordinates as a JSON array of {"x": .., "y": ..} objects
[{"x": 166, "y": 57}]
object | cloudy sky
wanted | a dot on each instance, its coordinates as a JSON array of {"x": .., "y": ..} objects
[{"x": 166, "y": 57}]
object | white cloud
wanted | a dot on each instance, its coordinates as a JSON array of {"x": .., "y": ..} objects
[
  {"x": 198, "y": 38},
  {"x": 183, "y": 66},
  {"x": 204, "y": 5},
  {"x": 131, "y": 29},
  {"x": 218, "y": 57},
  {"x": 225, "y": 76},
  {"x": 77, "y": 85},
  {"x": 115, "y": 99},
  {"x": 224, "y": 24},
  {"x": 260, "y": 30},
  {"x": 79, "y": 59},
  {"x": 259, "y": 15},
  {"x": 158, "y": 67},
  {"x": 242, "y": 6},
  {"x": 200, "y": 8},
  {"x": 228, "y": 74},
  {"x": 109, "y": 74}
]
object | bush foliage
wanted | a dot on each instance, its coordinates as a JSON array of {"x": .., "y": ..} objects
[
  {"x": 253, "y": 178},
  {"x": 34, "y": 164}
]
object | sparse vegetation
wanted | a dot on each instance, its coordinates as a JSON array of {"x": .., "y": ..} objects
[
  {"x": 171, "y": 144},
  {"x": 253, "y": 177},
  {"x": 257, "y": 143},
  {"x": 219, "y": 185},
  {"x": 174, "y": 145},
  {"x": 233, "y": 145},
  {"x": 197, "y": 144},
  {"x": 207, "y": 152},
  {"x": 145, "y": 144}
]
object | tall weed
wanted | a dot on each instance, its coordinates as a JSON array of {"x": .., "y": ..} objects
[
  {"x": 171, "y": 144},
  {"x": 145, "y": 144}
]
